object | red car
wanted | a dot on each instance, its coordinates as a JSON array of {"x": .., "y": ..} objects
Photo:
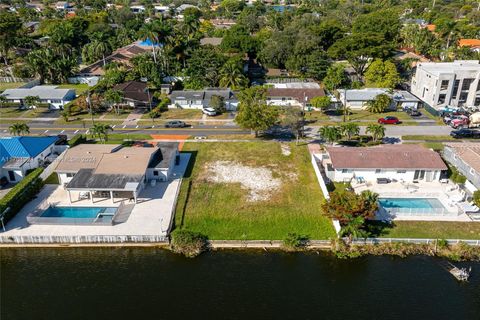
[{"x": 389, "y": 120}]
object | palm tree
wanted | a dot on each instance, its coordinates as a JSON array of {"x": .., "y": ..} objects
[
  {"x": 380, "y": 104},
  {"x": 113, "y": 98},
  {"x": 148, "y": 33},
  {"x": 3, "y": 100},
  {"x": 376, "y": 130},
  {"x": 330, "y": 133},
  {"x": 349, "y": 129},
  {"x": 31, "y": 101},
  {"x": 18, "y": 129},
  {"x": 101, "y": 131},
  {"x": 231, "y": 75},
  {"x": 100, "y": 48},
  {"x": 353, "y": 228}
]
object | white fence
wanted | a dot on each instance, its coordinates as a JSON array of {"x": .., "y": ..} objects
[
  {"x": 316, "y": 166},
  {"x": 14, "y": 79},
  {"x": 412, "y": 240},
  {"x": 97, "y": 239}
]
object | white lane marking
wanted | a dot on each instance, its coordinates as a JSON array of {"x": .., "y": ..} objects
[
  {"x": 75, "y": 132},
  {"x": 62, "y": 131},
  {"x": 87, "y": 131},
  {"x": 124, "y": 126},
  {"x": 113, "y": 127},
  {"x": 136, "y": 127},
  {"x": 46, "y": 131}
]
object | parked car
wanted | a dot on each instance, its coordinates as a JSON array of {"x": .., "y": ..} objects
[
  {"x": 465, "y": 133},
  {"x": 413, "y": 112},
  {"x": 175, "y": 124},
  {"x": 460, "y": 122},
  {"x": 209, "y": 111},
  {"x": 450, "y": 117},
  {"x": 389, "y": 120}
]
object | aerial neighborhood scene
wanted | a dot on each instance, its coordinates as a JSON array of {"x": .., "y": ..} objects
[{"x": 300, "y": 149}]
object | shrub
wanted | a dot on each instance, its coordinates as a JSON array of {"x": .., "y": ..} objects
[
  {"x": 188, "y": 243},
  {"x": 456, "y": 176},
  {"x": 21, "y": 193},
  {"x": 295, "y": 241},
  {"x": 77, "y": 139},
  {"x": 442, "y": 243},
  {"x": 476, "y": 198}
]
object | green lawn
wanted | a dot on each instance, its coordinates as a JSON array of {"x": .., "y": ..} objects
[
  {"x": 427, "y": 138},
  {"x": 10, "y": 85},
  {"x": 79, "y": 88},
  {"x": 366, "y": 115},
  {"x": 222, "y": 210},
  {"x": 179, "y": 114},
  {"x": 429, "y": 229},
  {"x": 315, "y": 115}
]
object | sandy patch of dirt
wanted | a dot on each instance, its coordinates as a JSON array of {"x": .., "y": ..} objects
[
  {"x": 259, "y": 181},
  {"x": 285, "y": 149}
]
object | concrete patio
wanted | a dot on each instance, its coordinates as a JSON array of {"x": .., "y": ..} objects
[
  {"x": 152, "y": 215},
  {"x": 448, "y": 194}
]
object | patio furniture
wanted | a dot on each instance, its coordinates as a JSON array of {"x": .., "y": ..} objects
[{"x": 383, "y": 180}]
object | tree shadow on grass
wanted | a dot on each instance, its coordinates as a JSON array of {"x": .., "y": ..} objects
[
  {"x": 187, "y": 179},
  {"x": 377, "y": 228}
]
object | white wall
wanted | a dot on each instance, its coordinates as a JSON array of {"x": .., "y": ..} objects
[{"x": 372, "y": 175}]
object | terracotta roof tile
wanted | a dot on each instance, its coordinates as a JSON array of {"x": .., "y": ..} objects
[{"x": 386, "y": 157}]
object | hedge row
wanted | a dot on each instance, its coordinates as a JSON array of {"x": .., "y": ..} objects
[
  {"x": 77, "y": 139},
  {"x": 10, "y": 105},
  {"x": 21, "y": 193}
]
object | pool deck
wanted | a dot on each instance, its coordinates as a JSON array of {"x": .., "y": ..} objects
[
  {"x": 151, "y": 216},
  {"x": 448, "y": 194}
]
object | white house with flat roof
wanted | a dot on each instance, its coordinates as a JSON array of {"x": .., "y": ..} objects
[
  {"x": 441, "y": 84},
  {"x": 55, "y": 97},
  {"x": 115, "y": 171},
  {"x": 401, "y": 162},
  {"x": 466, "y": 158},
  {"x": 358, "y": 99}
]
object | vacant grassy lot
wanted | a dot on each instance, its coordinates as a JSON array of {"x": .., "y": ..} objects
[
  {"x": 429, "y": 229},
  {"x": 223, "y": 210},
  {"x": 179, "y": 114},
  {"x": 366, "y": 115}
]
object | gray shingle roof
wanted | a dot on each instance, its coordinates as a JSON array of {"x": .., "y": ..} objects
[{"x": 43, "y": 92}]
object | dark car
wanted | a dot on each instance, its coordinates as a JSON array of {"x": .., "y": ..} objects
[
  {"x": 389, "y": 120},
  {"x": 465, "y": 133},
  {"x": 175, "y": 124},
  {"x": 414, "y": 113}
]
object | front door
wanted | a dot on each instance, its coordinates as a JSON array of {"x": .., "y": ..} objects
[{"x": 11, "y": 175}]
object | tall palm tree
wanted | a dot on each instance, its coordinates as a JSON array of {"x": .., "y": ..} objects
[
  {"x": 149, "y": 33},
  {"x": 18, "y": 129},
  {"x": 231, "y": 75},
  {"x": 330, "y": 133},
  {"x": 100, "y": 48},
  {"x": 376, "y": 130}
]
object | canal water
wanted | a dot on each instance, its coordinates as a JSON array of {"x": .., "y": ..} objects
[{"x": 133, "y": 283}]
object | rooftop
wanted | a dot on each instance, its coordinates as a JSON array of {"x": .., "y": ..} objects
[
  {"x": 84, "y": 156},
  {"x": 469, "y": 43},
  {"x": 43, "y": 92},
  {"x": 212, "y": 41},
  {"x": 134, "y": 90},
  {"x": 400, "y": 156},
  {"x": 450, "y": 67},
  {"x": 468, "y": 152},
  {"x": 203, "y": 94},
  {"x": 23, "y": 147},
  {"x": 369, "y": 94},
  {"x": 299, "y": 94}
]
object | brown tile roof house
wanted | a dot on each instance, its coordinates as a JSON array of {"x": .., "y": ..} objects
[
  {"x": 135, "y": 92},
  {"x": 298, "y": 94},
  {"x": 121, "y": 55},
  {"x": 400, "y": 156}
]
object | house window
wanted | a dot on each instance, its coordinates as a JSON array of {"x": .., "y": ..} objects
[
  {"x": 444, "y": 85},
  {"x": 472, "y": 171},
  {"x": 378, "y": 171},
  {"x": 155, "y": 173},
  {"x": 401, "y": 171},
  {"x": 466, "y": 84},
  {"x": 346, "y": 170},
  {"x": 441, "y": 98},
  {"x": 463, "y": 97},
  {"x": 70, "y": 175},
  {"x": 456, "y": 84}
]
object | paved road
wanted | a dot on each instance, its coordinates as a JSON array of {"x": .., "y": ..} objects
[{"x": 196, "y": 130}]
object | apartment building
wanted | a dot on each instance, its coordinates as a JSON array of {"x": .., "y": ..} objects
[{"x": 441, "y": 84}]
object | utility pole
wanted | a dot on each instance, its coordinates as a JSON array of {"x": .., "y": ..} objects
[{"x": 89, "y": 101}]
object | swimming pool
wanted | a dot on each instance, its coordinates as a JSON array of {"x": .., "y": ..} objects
[
  {"x": 412, "y": 205},
  {"x": 78, "y": 212}
]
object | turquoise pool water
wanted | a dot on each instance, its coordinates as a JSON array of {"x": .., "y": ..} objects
[
  {"x": 411, "y": 203},
  {"x": 78, "y": 212}
]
